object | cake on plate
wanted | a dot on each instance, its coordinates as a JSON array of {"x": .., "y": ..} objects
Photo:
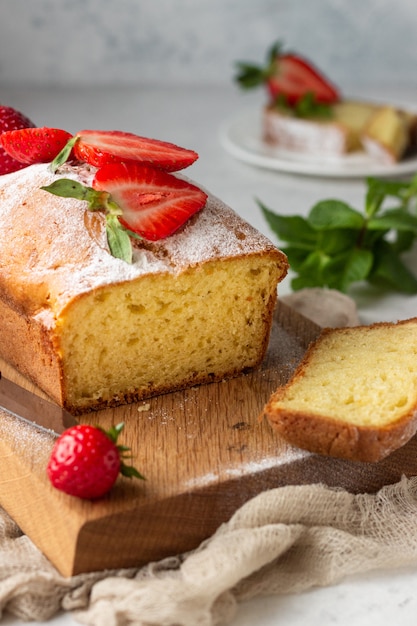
[{"x": 307, "y": 115}]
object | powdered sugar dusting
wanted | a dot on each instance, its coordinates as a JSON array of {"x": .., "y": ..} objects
[
  {"x": 300, "y": 134},
  {"x": 53, "y": 249},
  {"x": 216, "y": 232}
]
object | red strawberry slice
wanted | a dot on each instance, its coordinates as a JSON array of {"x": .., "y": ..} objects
[
  {"x": 288, "y": 75},
  {"x": 10, "y": 119},
  {"x": 34, "y": 145},
  {"x": 101, "y": 147},
  {"x": 295, "y": 77},
  {"x": 155, "y": 204}
]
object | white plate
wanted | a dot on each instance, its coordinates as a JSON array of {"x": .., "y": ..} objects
[{"x": 242, "y": 138}]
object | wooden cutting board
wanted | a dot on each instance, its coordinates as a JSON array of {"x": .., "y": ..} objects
[{"x": 204, "y": 451}]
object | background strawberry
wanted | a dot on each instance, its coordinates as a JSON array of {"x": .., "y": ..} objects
[
  {"x": 86, "y": 460},
  {"x": 289, "y": 76},
  {"x": 11, "y": 119},
  {"x": 34, "y": 145}
]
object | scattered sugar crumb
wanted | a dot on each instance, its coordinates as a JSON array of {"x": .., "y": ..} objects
[{"x": 144, "y": 407}]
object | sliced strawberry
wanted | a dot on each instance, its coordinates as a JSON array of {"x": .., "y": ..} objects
[
  {"x": 101, "y": 147},
  {"x": 34, "y": 145},
  {"x": 10, "y": 119},
  {"x": 288, "y": 75},
  {"x": 295, "y": 77},
  {"x": 155, "y": 204}
]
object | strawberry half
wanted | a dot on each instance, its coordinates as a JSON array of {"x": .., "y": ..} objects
[
  {"x": 34, "y": 145},
  {"x": 154, "y": 203},
  {"x": 288, "y": 75},
  {"x": 10, "y": 119},
  {"x": 98, "y": 148}
]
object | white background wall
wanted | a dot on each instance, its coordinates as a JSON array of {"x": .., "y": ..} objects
[{"x": 357, "y": 42}]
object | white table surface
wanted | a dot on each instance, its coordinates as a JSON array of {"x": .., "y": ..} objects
[{"x": 191, "y": 116}]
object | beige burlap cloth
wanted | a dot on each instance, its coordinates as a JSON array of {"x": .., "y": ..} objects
[{"x": 283, "y": 541}]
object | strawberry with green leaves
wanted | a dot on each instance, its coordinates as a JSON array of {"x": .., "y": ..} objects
[
  {"x": 138, "y": 200},
  {"x": 86, "y": 461},
  {"x": 288, "y": 77},
  {"x": 10, "y": 120}
]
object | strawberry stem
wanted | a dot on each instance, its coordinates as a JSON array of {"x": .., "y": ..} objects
[{"x": 126, "y": 470}]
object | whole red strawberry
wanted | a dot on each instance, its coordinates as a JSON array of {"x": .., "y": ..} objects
[
  {"x": 86, "y": 460},
  {"x": 10, "y": 119}
]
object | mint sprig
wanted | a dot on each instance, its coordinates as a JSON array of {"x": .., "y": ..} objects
[
  {"x": 336, "y": 245},
  {"x": 306, "y": 107},
  {"x": 118, "y": 237}
]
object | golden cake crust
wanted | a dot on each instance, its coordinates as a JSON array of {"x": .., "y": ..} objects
[
  {"x": 54, "y": 254},
  {"x": 42, "y": 268},
  {"x": 306, "y": 425}
]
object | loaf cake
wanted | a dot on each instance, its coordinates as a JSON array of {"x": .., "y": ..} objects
[
  {"x": 385, "y": 133},
  {"x": 354, "y": 395},
  {"x": 93, "y": 331}
]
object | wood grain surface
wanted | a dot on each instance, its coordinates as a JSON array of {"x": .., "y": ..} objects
[{"x": 204, "y": 451}]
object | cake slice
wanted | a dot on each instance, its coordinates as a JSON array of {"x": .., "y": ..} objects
[
  {"x": 307, "y": 115},
  {"x": 354, "y": 395},
  {"x": 336, "y": 135},
  {"x": 383, "y": 132},
  {"x": 388, "y": 134},
  {"x": 94, "y": 331}
]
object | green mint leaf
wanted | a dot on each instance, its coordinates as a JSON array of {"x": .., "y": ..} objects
[
  {"x": 118, "y": 239},
  {"x": 249, "y": 76},
  {"x": 395, "y": 219},
  {"x": 310, "y": 271},
  {"x": 294, "y": 229},
  {"x": 296, "y": 256},
  {"x": 336, "y": 245},
  {"x": 390, "y": 272},
  {"x": 67, "y": 188},
  {"x": 403, "y": 241},
  {"x": 337, "y": 240},
  {"x": 308, "y": 106},
  {"x": 63, "y": 156},
  {"x": 329, "y": 214},
  {"x": 345, "y": 269},
  {"x": 379, "y": 190}
]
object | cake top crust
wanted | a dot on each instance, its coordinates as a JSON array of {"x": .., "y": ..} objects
[{"x": 53, "y": 249}]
